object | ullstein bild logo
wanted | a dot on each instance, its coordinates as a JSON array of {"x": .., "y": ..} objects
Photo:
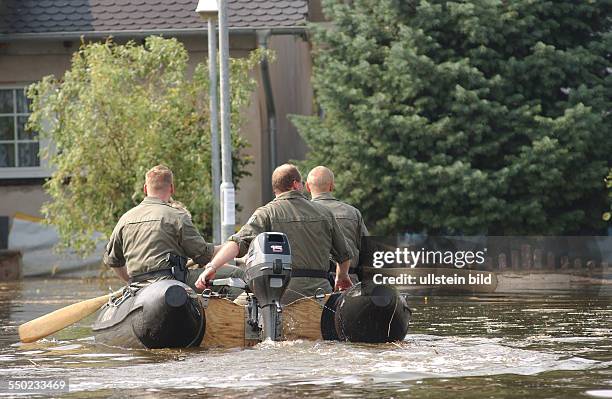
[{"x": 433, "y": 279}]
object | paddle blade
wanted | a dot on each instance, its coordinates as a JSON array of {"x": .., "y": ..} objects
[{"x": 53, "y": 322}]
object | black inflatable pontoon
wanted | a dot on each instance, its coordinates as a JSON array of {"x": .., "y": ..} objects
[{"x": 165, "y": 314}]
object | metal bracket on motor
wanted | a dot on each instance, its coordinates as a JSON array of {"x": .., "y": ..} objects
[
  {"x": 252, "y": 327},
  {"x": 279, "y": 321},
  {"x": 250, "y": 333},
  {"x": 206, "y": 294}
]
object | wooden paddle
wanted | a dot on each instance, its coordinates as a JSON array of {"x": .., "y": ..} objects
[{"x": 57, "y": 320}]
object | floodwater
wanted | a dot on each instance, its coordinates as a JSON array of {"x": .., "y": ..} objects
[{"x": 547, "y": 345}]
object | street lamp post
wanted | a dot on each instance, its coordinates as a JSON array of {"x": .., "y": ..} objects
[
  {"x": 208, "y": 10},
  {"x": 228, "y": 215},
  {"x": 214, "y": 130}
]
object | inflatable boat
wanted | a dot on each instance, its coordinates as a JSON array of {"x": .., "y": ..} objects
[{"x": 169, "y": 314}]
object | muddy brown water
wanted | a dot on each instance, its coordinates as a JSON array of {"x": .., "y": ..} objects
[{"x": 540, "y": 345}]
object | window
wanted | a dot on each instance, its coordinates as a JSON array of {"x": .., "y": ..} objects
[{"x": 18, "y": 147}]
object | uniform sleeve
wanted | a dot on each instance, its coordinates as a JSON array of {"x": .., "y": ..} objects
[
  {"x": 193, "y": 243},
  {"x": 363, "y": 230},
  {"x": 339, "y": 250},
  {"x": 257, "y": 223},
  {"x": 113, "y": 255}
]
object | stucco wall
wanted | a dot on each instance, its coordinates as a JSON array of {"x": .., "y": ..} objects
[
  {"x": 292, "y": 91},
  {"x": 23, "y": 62},
  {"x": 249, "y": 194},
  {"x": 25, "y": 199}
]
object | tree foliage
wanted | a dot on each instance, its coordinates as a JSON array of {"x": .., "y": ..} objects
[
  {"x": 466, "y": 117},
  {"x": 118, "y": 111}
]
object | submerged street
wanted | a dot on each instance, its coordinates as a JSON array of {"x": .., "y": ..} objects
[{"x": 553, "y": 344}]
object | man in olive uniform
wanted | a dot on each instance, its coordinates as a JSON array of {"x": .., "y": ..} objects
[
  {"x": 139, "y": 245},
  {"x": 320, "y": 184},
  {"x": 312, "y": 231}
]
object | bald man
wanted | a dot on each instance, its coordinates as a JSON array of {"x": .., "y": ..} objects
[
  {"x": 320, "y": 184},
  {"x": 313, "y": 234}
]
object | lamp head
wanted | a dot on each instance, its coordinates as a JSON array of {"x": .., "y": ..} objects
[{"x": 208, "y": 8}]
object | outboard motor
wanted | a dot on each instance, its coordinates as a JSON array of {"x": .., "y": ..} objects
[{"x": 268, "y": 271}]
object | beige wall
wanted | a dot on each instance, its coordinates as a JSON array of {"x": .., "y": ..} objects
[
  {"x": 23, "y": 62},
  {"x": 24, "y": 199},
  {"x": 249, "y": 193},
  {"x": 26, "y": 62},
  {"x": 293, "y": 93}
]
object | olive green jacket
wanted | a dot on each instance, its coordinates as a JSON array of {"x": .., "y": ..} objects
[
  {"x": 146, "y": 233},
  {"x": 313, "y": 235},
  {"x": 350, "y": 220}
]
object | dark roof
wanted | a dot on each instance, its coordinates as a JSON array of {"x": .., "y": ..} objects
[{"x": 19, "y": 17}]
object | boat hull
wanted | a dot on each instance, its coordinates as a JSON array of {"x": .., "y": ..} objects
[
  {"x": 157, "y": 317},
  {"x": 165, "y": 314}
]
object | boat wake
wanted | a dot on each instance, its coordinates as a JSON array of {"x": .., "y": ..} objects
[{"x": 295, "y": 363}]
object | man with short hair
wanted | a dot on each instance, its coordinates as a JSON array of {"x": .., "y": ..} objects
[
  {"x": 320, "y": 184},
  {"x": 144, "y": 236},
  {"x": 312, "y": 231}
]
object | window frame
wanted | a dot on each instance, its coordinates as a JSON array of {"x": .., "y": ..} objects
[{"x": 23, "y": 172}]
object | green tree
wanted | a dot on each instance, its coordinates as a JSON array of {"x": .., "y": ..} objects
[
  {"x": 466, "y": 117},
  {"x": 118, "y": 111}
]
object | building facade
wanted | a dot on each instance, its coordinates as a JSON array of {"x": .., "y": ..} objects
[{"x": 38, "y": 38}]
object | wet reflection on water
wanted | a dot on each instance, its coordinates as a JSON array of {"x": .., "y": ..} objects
[{"x": 555, "y": 345}]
